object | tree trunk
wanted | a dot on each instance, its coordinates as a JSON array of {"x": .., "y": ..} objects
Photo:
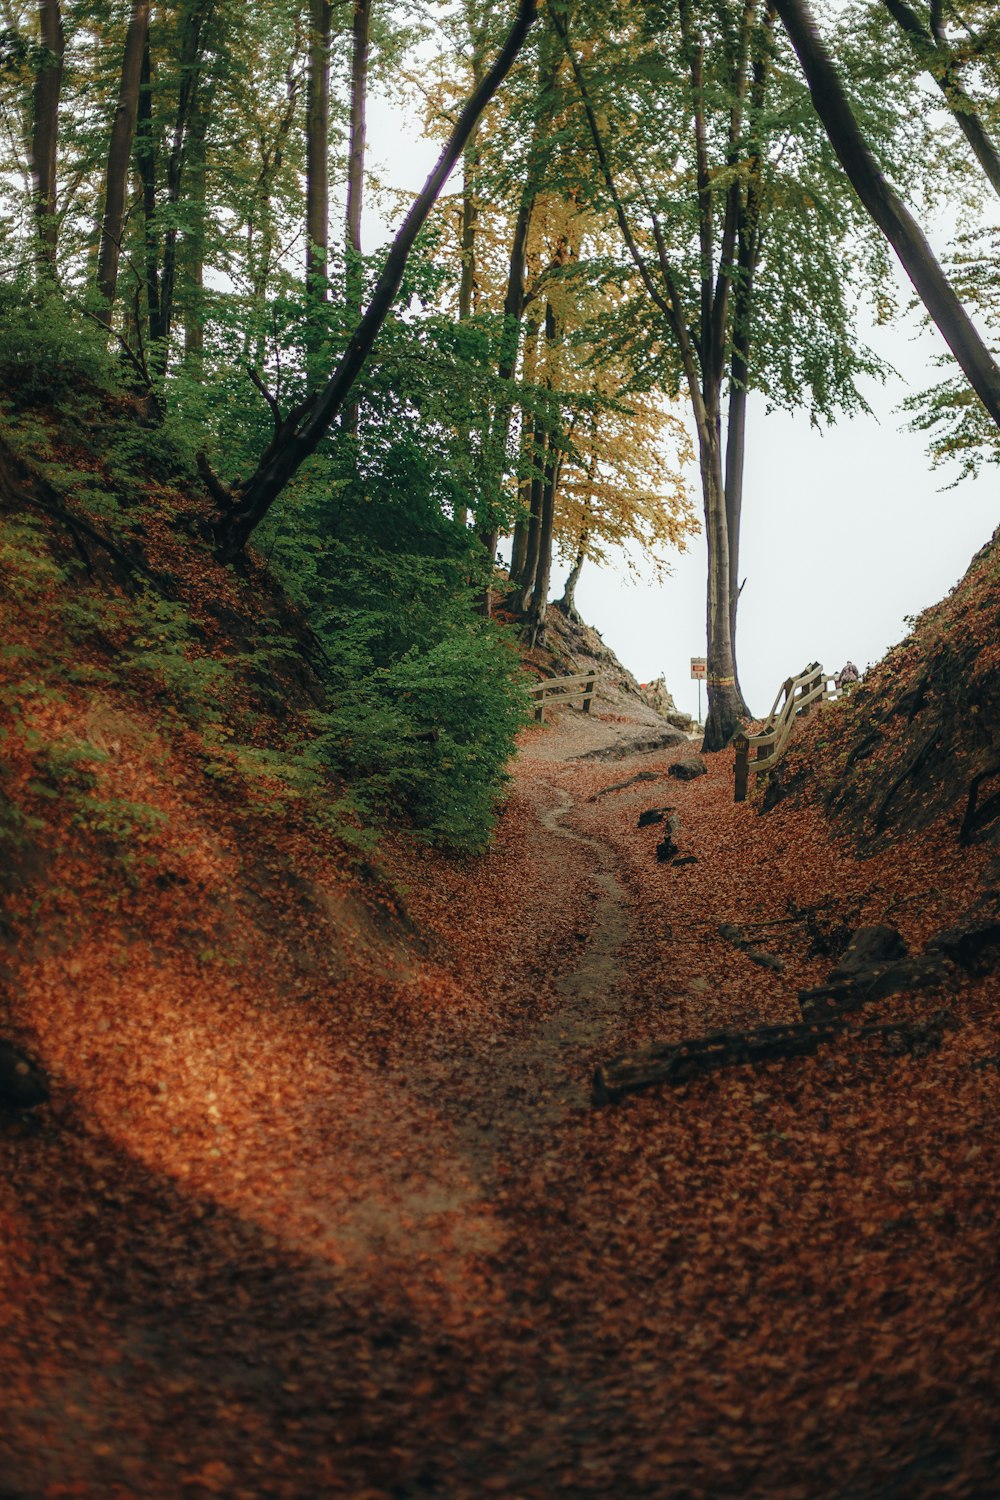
[
  {"x": 568, "y": 601},
  {"x": 318, "y": 150},
  {"x": 736, "y": 425},
  {"x": 513, "y": 310},
  {"x": 45, "y": 130},
  {"x": 305, "y": 429},
  {"x": 356, "y": 158},
  {"x": 145, "y": 156},
  {"x": 470, "y": 202},
  {"x": 536, "y": 493},
  {"x": 888, "y": 210},
  {"x": 120, "y": 156},
  {"x": 518, "y": 550},
  {"x": 726, "y": 709},
  {"x": 194, "y": 245},
  {"x": 543, "y": 567},
  {"x": 467, "y": 247},
  {"x": 189, "y": 67},
  {"x": 360, "y": 45}
]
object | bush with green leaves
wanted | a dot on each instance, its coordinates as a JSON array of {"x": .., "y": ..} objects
[{"x": 46, "y": 353}]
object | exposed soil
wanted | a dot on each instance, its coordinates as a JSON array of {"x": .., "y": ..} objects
[{"x": 306, "y": 1224}]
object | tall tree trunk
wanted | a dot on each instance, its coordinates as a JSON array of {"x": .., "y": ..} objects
[
  {"x": 303, "y": 431},
  {"x": 470, "y": 201},
  {"x": 467, "y": 239},
  {"x": 119, "y": 158},
  {"x": 145, "y": 158},
  {"x": 888, "y": 210},
  {"x": 194, "y": 245},
  {"x": 543, "y": 569},
  {"x": 360, "y": 46},
  {"x": 45, "y": 131},
  {"x": 318, "y": 150},
  {"x": 746, "y": 214},
  {"x": 550, "y": 466},
  {"x": 519, "y": 566},
  {"x": 736, "y": 426},
  {"x": 536, "y": 490},
  {"x": 726, "y": 709},
  {"x": 513, "y": 310},
  {"x": 510, "y": 342},
  {"x": 196, "y": 18}
]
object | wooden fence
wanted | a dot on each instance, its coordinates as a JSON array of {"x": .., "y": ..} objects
[
  {"x": 762, "y": 751},
  {"x": 553, "y": 692}
]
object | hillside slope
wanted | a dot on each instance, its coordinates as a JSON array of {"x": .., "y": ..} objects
[{"x": 911, "y": 754}]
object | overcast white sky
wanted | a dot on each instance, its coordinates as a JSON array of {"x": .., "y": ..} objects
[{"x": 844, "y": 531}]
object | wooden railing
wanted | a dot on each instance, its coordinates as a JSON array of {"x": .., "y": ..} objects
[
  {"x": 762, "y": 751},
  {"x": 553, "y": 692}
]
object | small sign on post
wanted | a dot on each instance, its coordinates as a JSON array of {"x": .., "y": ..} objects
[{"x": 699, "y": 671}]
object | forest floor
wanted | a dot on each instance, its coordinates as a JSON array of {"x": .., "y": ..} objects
[{"x": 273, "y": 1241}]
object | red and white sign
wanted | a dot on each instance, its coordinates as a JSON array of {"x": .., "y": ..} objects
[{"x": 699, "y": 668}]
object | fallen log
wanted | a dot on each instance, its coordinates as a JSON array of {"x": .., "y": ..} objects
[
  {"x": 620, "y": 786},
  {"x": 852, "y": 991},
  {"x": 678, "y": 1062},
  {"x": 672, "y": 1064}
]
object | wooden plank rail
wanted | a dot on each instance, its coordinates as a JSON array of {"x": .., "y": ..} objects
[
  {"x": 760, "y": 752},
  {"x": 553, "y": 692}
]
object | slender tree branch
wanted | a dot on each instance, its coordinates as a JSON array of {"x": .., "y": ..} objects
[
  {"x": 933, "y": 52},
  {"x": 276, "y": 468},
  {"x": 887, "y": 208}
]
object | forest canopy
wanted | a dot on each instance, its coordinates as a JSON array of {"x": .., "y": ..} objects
[{"x": 640, "y": 215}]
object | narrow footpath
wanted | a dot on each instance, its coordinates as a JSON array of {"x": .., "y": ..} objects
[{"x": 380, "y": 1244}]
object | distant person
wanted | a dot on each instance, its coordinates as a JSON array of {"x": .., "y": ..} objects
[{"x": 847, "y": 674}]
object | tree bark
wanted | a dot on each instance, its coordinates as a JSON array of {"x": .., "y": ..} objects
[
  {"x": 887, "y": 209},
  {"x": 543, "y": 566},
  {"x": 145, "y": 157},
  {"x": 360, "y": 46},
  {"x": 318, "y": 150},
  {"x": 356, "y": 165},
  {"x": 467, "y": 245},
  {"x": 193, "y": 308},
  {"x": 119, "y": 158},
  {"x": 306, "y": 428},
  {"x": 470, "y": 202},
  {"x": 536, "y": 495},
  {"x": 192, "y": 54},
  {"x": 568, "y": 601},
  {"x": 45, "y": 131},
  {"x": 726, "y": 709}
]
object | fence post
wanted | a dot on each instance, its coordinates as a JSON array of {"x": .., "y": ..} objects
[
  {"x": 588, "y": 692},
  {"x": 742, "y": 767}
]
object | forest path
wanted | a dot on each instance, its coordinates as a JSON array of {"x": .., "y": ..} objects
[{"x": 374, "y": 1242}]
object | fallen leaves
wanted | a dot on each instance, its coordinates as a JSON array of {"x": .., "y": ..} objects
[{"x": 319, "y": 1207}]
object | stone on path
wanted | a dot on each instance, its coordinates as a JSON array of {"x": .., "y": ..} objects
[{"x": 688, "y": 768}]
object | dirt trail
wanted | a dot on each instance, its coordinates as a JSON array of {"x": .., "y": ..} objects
[{"x": 377, "y": 1244}]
